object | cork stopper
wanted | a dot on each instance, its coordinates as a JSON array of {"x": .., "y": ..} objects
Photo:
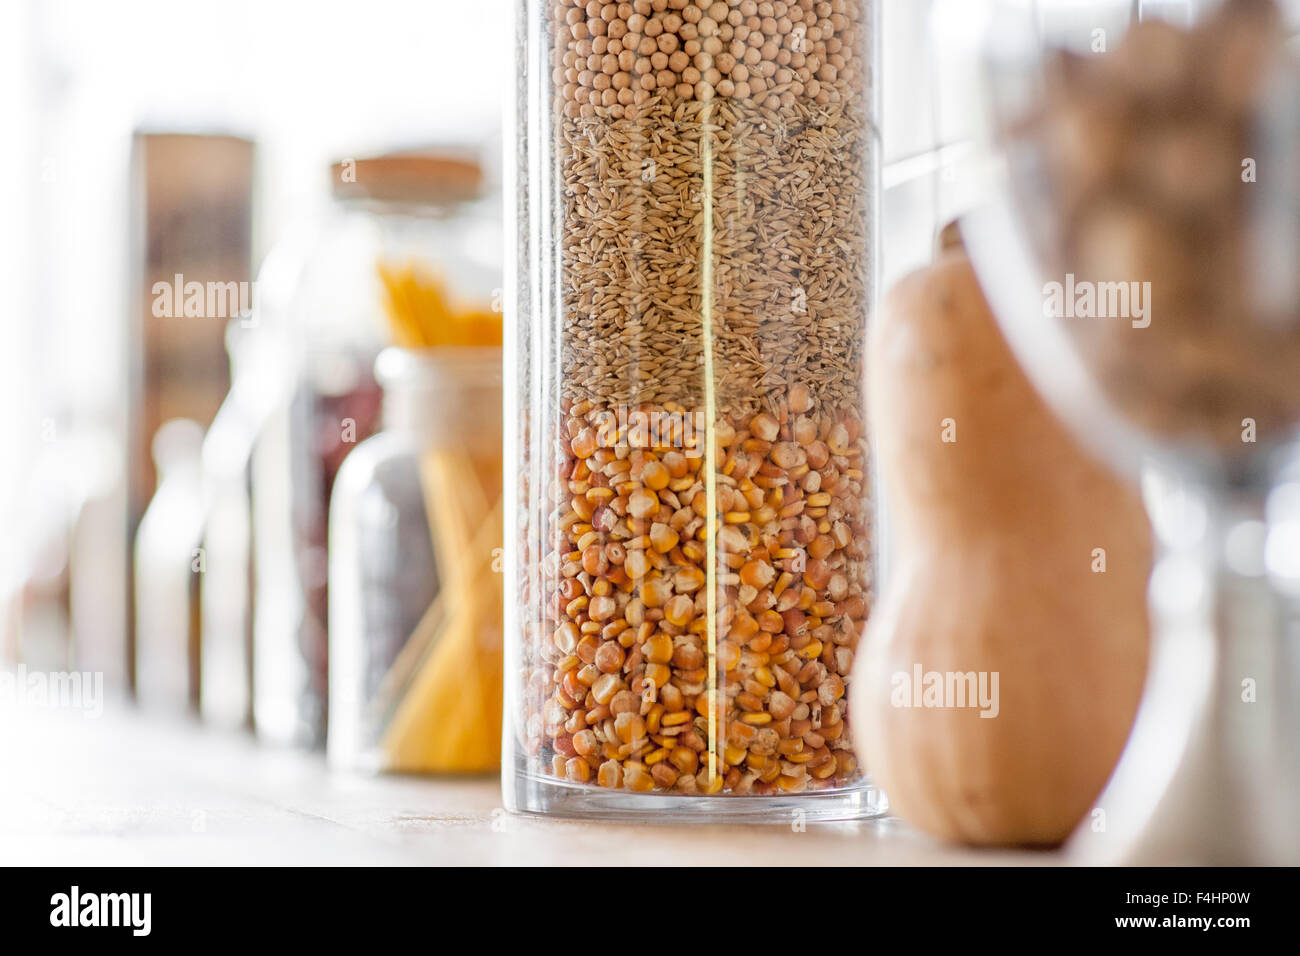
[{"x": 432, "y": 177}]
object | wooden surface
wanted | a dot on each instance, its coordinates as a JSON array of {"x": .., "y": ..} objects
[{"x": 121, "y": 789}]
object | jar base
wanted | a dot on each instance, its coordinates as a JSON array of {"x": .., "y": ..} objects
[{"x": 546, "y": 796}]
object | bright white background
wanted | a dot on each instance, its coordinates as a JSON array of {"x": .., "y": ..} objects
[
  {"x": 308, "y": 81},
  {"x": 312, "y": 82}
]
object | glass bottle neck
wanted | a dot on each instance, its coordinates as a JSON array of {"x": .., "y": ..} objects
[{"x": 448, "y": 397}]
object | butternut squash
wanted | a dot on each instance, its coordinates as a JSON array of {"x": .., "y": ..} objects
[{"x": 1017, "y": 557}]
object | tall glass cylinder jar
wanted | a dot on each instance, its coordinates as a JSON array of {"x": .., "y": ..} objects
[{"x": 690, "y": 558}]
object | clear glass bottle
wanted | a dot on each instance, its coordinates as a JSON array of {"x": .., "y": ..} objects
[
  {"x": 415, "y": 584},
  {"x": 226, "y": 588},
  {"x": 690, "y": 550},
  {"x": 401, "y": 223},
  {"x": 169, "y": 567}
]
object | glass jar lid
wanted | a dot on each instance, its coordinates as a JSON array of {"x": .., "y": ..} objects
[{"x": 434, "y": 177}]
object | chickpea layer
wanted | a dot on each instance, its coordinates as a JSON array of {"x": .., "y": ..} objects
[
  {"x": 618, "y": 56},
  {"x": 619, "y": 690}
]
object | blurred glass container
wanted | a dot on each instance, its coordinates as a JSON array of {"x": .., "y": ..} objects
[
  {"x": 226, "y": 587},
  {"x": 415, "y": 593},
  {"x": 69, "y": 571},
  {"x": 391, "y": 215},
  {"x": 98, "y": 559},
  {"x": 37, "y": 632},
  {"x": 1195, "y": 389},
  {"x": 169, "y": 564}
]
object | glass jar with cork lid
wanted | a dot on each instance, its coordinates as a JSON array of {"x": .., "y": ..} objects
[
  {"x": 689, "y": 545},
  {"x": 410, "y": 225}
]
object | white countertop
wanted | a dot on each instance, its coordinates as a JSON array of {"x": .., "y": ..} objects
[{"x": 125, "y": 790}]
